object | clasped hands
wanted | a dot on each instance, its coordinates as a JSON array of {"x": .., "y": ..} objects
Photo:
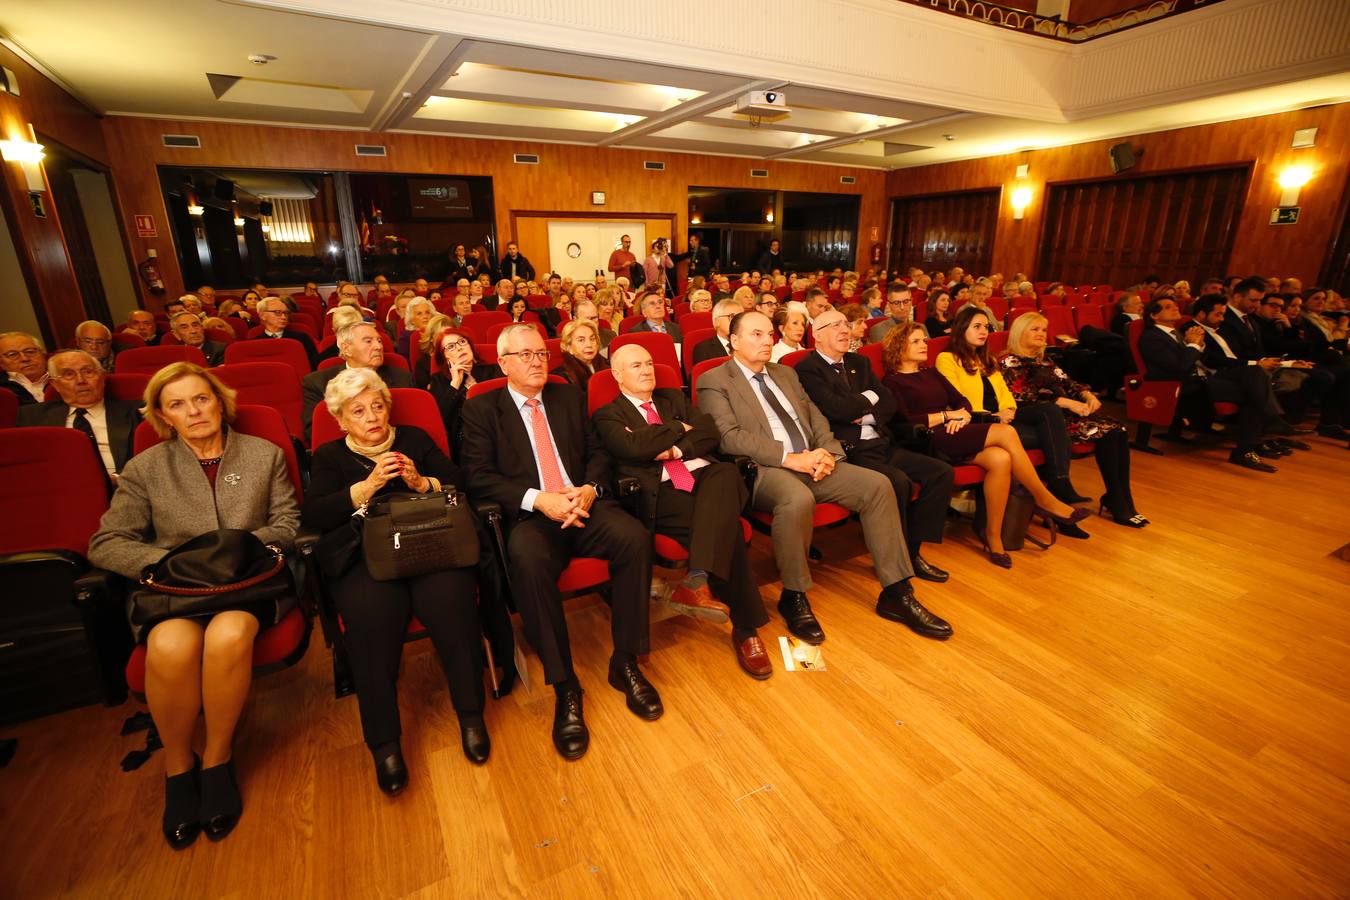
[
  {"x": 817, "y": 463},
  {"x": 569, "y": 506},
  {"x": 391, "y": 465}
]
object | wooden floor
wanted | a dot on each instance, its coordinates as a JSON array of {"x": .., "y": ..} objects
[{"x": 1150, "y": 713}]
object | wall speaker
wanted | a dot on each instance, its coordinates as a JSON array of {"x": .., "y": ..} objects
[
  {"x": 1122, "y": 157},
  {"x": 264, "y": 207}
]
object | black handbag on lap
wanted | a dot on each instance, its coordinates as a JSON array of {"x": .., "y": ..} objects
[
  {"x": 406, "y": 535},
  {"x": 228, "y": 569}
]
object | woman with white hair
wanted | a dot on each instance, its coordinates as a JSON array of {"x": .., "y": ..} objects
[
  {"x": 374, "y": 459},
  {"x": 415, "y": 318}
]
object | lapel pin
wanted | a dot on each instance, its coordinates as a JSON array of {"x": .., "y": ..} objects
[{"x": 233, "y": 478}]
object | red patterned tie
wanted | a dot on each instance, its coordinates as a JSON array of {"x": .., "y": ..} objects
[
  {"x": 680, "y": 476},
  {"x": 543, "y": 444}
]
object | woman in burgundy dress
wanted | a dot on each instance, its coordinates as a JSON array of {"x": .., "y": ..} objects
[{"x": 924, "y": 397}]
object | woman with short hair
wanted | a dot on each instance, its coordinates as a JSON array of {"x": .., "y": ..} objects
[
  {"x": 415, "y": 318},
  {"x": 456, "y": 368}
]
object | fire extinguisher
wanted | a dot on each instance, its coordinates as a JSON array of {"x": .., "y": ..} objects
[
  {"x": 875, "y": 255},
  {"x": 150, "y": 275}
]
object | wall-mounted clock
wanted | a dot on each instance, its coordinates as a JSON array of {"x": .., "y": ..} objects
[{"x": 574, "y": 250}]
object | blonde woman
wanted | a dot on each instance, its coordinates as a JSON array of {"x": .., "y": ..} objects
[{"x": 580, "y": 340}]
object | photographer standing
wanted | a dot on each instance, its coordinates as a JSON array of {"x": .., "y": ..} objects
[{"x": 656, "y": 266}]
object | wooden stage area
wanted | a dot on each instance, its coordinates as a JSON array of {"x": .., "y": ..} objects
[{"x": 1155, "y": 713}]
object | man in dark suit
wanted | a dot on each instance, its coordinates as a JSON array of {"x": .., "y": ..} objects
[
  {"x": 110, "y": 424},
  {"x": 275, "y": 317},
  {"x": 514, "y": 265},
  {"x": 1172, "y": 356},
  {"x": 654, "y": 309},
  {"x": 859, "y": 408},
  {"x": 360, "y": 345},
  {"x": 700, "y": 260},
  {"x": 24, "y": 361},
  {"x": 530, "y": 448},
  {"x": 656, "y": 437},
  {"x": 187, "y": 327},
  {"x": 719, "y": 344},
  {"x": 763, "y": 413},
  {"x": 142, "y": 324},
  {"x": 770, "y": 259}
]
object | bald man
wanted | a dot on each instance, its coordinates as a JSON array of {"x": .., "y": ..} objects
[
  {"x": 95, "y": 338},
  {"x": 655, "y": 436}
]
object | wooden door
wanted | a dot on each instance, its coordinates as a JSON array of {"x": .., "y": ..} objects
[{"x": 939, "y": 231}]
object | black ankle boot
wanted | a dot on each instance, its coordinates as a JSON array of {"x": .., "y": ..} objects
[
  {"x": 221, "y": 803},
  {"x": 182, "y": 820}
]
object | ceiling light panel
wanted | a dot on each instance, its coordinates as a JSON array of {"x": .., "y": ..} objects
[
  {"x": 474, "y": 81},
  {"x": 481, "y": 112}
]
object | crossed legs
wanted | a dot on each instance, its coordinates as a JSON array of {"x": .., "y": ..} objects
[{"x": 1003, "y": 459}]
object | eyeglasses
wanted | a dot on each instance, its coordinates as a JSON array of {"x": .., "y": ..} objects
[
  {"x": 26, "y": 353},
  {"x": 95, "y": 342},
  {"x": 454, "y": 345},
  {"x": 820, "y": 328},
  {"x": 529, "y": 356},
  {"x": 72, "y": 374}
]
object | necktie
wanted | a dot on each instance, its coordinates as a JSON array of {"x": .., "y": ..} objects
[
  {"x": 82, "y": 424},
  {"x": 839, "y": 367},
  {"x": 784, "y": 418},
  {"x": 543, "y": 443},
  {"x": 679, "y": 473}
]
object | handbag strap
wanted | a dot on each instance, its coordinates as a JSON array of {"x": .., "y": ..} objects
[{"x": 149, "y": 581}]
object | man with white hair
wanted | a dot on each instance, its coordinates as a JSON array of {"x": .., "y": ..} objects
[
  {"x": 95, "y": 338},
  {"x": 193, "y": 304},
  {"x": 360, "y": 346},
  {"x": 506, "y": 292},
  {"x": 276, "y": 319},
  {"x": 187, "y": 327},
  {"x": 24, "y": 361},
  {"x": 110, "y": 424},
  {"x": 719, "y": 344},
  {"x": 656, "y": 436}
]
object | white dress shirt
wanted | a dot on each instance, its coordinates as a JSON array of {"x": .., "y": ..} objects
[
  {"x": 98, "y": 420},
  {"x": 779, "y": 432},
  {"x": 37, "y": 388},
  {"x": 693, "y": 464},
  {"x": 867, "y": 431},
  {"x": 527, "y": 417}
]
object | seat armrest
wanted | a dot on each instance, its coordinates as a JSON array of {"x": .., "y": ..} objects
[
  {"x": 97, "y": 587},
  {"x": 490, "y": 511}
]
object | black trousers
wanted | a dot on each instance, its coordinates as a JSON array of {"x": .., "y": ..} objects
[
  {"x": 1041, "y": 426},
  {"x": 1113, "y": 461},
  {"x": 539, "y": 549},
  {"x": 708, "y": 522},
  {"x": 1247, "y": 386},
  {"x": 375, "y": 615},
  {"x": 924, "y": 516}
]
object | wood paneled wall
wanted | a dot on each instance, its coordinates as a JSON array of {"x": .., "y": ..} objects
[
  {"x": 563, "y": 180},
  {"x": 1262, "y": 143},
  {"x": 945, "y": 230},
  {"x": 39, "y": 242}
]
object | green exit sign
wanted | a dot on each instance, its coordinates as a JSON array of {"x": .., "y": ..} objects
[{"x": 1284, "y": 215}]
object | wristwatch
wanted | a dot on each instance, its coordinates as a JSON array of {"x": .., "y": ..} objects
[{"x": 599, "y": 491}]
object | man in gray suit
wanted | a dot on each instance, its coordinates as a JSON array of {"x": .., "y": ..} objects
[
  {"x": 110, "y": 424},
  {"x": 763, "y": 413}
]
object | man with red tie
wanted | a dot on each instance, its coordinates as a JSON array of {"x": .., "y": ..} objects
[
  {"x": 530, "y": 448},
  {"x": 655, "y": 436}
]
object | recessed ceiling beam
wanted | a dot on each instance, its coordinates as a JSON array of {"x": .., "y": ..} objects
[
  {"x": 687, "y": 110},
  {"x": 400, "y": 112},
  {"x": 866, "y": 136}
]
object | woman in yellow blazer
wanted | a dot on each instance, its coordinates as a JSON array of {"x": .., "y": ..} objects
[{"x": 977, "y": 376}]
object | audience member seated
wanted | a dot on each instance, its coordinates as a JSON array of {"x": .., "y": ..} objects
[
  {"x": 656, "y": 437},
  {"x": 248, "y": 304},
  {"x": 419, "y": 311},
  {"x": 762, "y": 412},
  {"x": 24, "y": 360},
  {"x": 924, "y": 397},
  {"x": 791, "y": 327},
  {"x": 142, "y": 324},
  {"x": 745, "y": 296},
  {"x": 767, "y": 303},
  {"x": 581, "y": 351},
  {"x": 1172, "y": 356},
  {"x": 899, "y": 310},
  {"x": 185, "y": 487},
  {"x": 1325, "y": 335},
  {"x": 858, "y": 322},
  {"x": 531, "y": 448},
  {"x": 1278, "y": 337},
  {"x": 233, "y": 309},
  {"x": 360, "y": 347},
  {"x": 193, "y": 304},
  {"x": 975, "y": 374},
  {"x": 375, "y": 460},
  {"x": 1128, "y": 308},
  {"x": 1034, "y": 378},
  {"x": 720, "y": 343},
  {"x": 110, "y": 424},
  {"x": 426, "y": 336},
  {"x": 456, "y": 368},
  {"x": 859, "y": 409},
  {"x": 700, "y": 301},
  {"x": 653, "y": 307},
  {"x": 514, "y": 265},
  {"x": 939, "y": 321},
  {"x": 816, "y": 302},
  {"x": 95, "y": 338},
  {"x": 609, "y": 307},
  {"x": 188, "y": 328},
  {"x": 276, "y": 319},
  {"x": 587, "y": 311}
]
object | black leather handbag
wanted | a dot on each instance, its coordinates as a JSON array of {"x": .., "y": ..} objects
[
  {"x": 406, "y": 535},
  {"x": 228, "y": 569}
]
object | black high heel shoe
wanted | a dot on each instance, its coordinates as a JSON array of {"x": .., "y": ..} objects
[
  {"x": 221, "y": 804},
  {"x": 1120, "y": 518},
  {"x": 1002, "y": 560},
  {"x": 182, "y": 799},
  {"x": 1074, "y": 518}
]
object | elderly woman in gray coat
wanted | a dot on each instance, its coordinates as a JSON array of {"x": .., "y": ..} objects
[{"x": 202, "y": 478}]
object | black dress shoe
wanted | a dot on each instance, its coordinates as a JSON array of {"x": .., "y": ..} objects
[
  {"x": 473, "y": 737},
  {"x": 801, "y": 622},
  {"x": 182, "y": 807},
  {"x": 642, "y": 698},
  {"x": 1291, "y": 444},
  {"x": 1272, "y": 449},
  {"x": 898, "y": 603},
  {"x": 221, "y": 804},
  {"x": 1336, "y": 432},
  {"x": 391, "y": 773},
  {"x": 927, "y": 571},
  {"x": 570, "y": 735},
  {"x": 1249, "y": 460}
]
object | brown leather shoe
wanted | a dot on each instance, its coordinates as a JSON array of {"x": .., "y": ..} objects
[
  {"x": 700, "y": 604},
  {"x": 752, "y": 656}
]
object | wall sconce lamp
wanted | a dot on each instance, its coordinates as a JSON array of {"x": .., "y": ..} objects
[
  {"x": 266, "y": 229},
  {"x": 195, "y": 209},
  {"x": 1291, "y": 179},
  {"x": 768, "y": 216},
  {"x": 29, "y": 155},
  {"x": 1021, "y": 199},
  {"x": 238, "y": 221}
]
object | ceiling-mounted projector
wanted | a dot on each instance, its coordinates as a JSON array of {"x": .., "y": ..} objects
[{"x": 763, "y": 103}]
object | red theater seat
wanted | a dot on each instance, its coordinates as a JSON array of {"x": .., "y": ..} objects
[{"x": 149, "y": 360}]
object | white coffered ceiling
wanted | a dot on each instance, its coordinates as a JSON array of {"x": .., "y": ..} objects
[{"x": 383, "y": 65}]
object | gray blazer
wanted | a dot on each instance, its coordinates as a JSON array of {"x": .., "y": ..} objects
[
  {"x": 163, "y": 499},
  {"x": 726, "y": 395}
]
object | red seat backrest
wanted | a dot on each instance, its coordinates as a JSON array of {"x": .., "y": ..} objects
[
  {"x": 259, "y": 421},
  {"x": 603, "y": 387},
  {"x": 998, "y": 306},
  {"x": 935, "y": 346},
  {"x": 998, "y": 343},
  {"x": 705, "y": 366},
  {"x": 1132, "y": 335},
  {"x": 126, "y": 386},
  {"x": 477, "y": 323},
  {"x": 486, "y": 353},
  {"x": 876, "y": 356},
  {"x": 660, "y": 346},
  {"x": 283, "y": 350},
  {"x": 9, "y": 409},
  {"x": 150, "y": 360},
  {"x": 54, "y": 487},
  {"x": 409, "y": 406},
  {"x": 791, "y": 359},
  {"x": 496, "y": 328},
  {"x": 1019, "y": 311},
  {"x": 492, "y": 384},
  {"x": 692, "y": 339},
  {"x": 690, "y": 321},
  {"x": 125, "y": 340},
  {"x": 268, "y": 383},
  {"x": 629, "y": 323},
  {"x": 1092, "y": 314},
  {"x": 1059, "y": 320},
  {"x": 390, "y": 359},
  {"x": 239, "y": 327},
  {"x": 538, "y": 301}
]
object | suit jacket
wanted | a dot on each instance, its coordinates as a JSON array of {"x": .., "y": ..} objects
[
  {"x": 700, "y": 261},
  {"x": 1241, "y": 345},
  {"x": 633, "y": 444},
  {"x": 315, "y": 383},
  {"x": 305, "y": 341},
  {"x": 1166, "y": 358},
  {"x": 709, "y": 348},
  {"x": 841, "y": 401},
  {"x": 497, "y": 455},
  {"x": 575, "y": 371},
  {"x": 215, "y": 353},
  {"x": 726, "y": 394},
  {"x": 671, "y": 329},
  {"x": 122, "y": 417},
  {"x": 520, "y": 269},
  {"x": 18, "y": 390},
  {"x": 163, "y": 500}
]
